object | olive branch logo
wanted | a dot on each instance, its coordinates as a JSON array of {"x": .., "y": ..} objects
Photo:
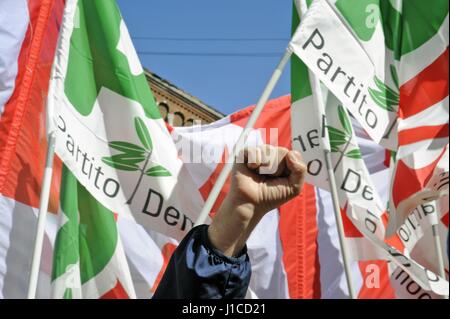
[
  {"x": 342, "y": 137},
  {"x": 131, "y": 155},
  {"x": 384, "y": 96}
]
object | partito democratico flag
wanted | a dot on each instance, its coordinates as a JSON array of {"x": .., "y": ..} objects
[
  {"x": 387, "y": 62},
  {"x": 294, "y": 250},
  {"x": 88, "y": 258},
  {"x": 328, "y": 57},
  {"x": 108, "y": 128}
]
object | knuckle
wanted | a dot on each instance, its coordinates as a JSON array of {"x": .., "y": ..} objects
[
  {"x": 302, "y": 168},
  {"x": 297, "y": 189}
]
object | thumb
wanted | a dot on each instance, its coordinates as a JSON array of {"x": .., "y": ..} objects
[{"x": 297, "y": 169}]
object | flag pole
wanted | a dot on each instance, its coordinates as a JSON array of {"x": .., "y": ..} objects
[
  {"x": 44, "y": 197},
  {"x": 243, "y": 138},
  {"x": 43, "y": 208},
  {"x": 302, "y": 7},
  {"x": 64, "y": 36},
  {"x": 339, "y": 223},
  {"x": 318, "y": 99}
]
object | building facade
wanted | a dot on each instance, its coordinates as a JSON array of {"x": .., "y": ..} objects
[{"x": 178, "y": 107}]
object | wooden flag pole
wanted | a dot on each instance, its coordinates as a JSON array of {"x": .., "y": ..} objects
[{"x": 243, "y": 138}]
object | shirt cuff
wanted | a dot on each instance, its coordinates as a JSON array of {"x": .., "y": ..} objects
[{"x": 237, "y": 259}]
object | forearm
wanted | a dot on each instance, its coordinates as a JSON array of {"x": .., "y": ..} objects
[{"x": 232, "y": 225}]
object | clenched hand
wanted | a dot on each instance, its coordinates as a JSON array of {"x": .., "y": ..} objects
[{"x": 263, "y": 178}]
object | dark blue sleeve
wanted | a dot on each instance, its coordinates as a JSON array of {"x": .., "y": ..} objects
[{"x": 199, "y": 271}]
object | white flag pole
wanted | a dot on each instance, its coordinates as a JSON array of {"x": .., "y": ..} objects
[
  {"x": 319, "y": 102},
  {"x": 45, "y": 190},
  {"x": 64, "y": 36},
  {"x": 339, "y": 224},
  {"x": 243, "y": 138},
  {"x": 318, "y": 99},
  {"x": 43, "y": 207}
]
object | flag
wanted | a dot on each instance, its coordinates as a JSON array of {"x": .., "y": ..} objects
[
  {"x": 308, "y": 113},
  {"x": 22, "y": 151},
  {"x": 418, "y": 237},
  {"x": 381, "y": 46},
  {"x": 274, "y": 245},
  {"x": 306, "y": 232},
  {"x": 281, "y": 269},
  {"x": 350, "y": 61},
  {"x": 28, "y": 33},
  {"x": 307, "y": 223},
  {"x": 420, "y": 167},
  {"x": 12, "y": 33},
  {"x": 387, "y": 62},
  {"x": 361, "y": 207},
  {"x": 109, "y": 130},
  {"x": 88, "y": 260},
  {"x": 311, "y": 136}
]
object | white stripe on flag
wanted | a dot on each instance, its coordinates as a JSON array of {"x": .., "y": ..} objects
[{"x": 14, "y": 21}]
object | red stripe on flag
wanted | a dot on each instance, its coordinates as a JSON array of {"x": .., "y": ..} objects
[
  {"x": 12, "y": 117},
  {"x": 444, "y": 220},
  {"x": 426, "y": 89},
  {"x": 209, "y": 184},
  {"x": 167, "y": 253},
  {"x": 22, "y": 133},
  {"x": 276, "y": 114},
  {"x": 298, "y": 235},
  {"x": 350, "y": 230},
  {"x": 387, "y": 158},
  {"x": 408, "y": 181},
  {"x": 422, "y": 133},
  {"x": 118, "y": 292},
  {"x": 395, "y": 240},
  {"x": 169, "y": 127},
  {"x": 297, "y": 225},
  {"x": 376, "y": 283}
]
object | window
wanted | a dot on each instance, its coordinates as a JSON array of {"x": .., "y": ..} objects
[
  {"x": 178, "y": 119},
  {"x": 164, "y": 110}
]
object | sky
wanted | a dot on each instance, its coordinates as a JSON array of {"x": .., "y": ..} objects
[{"x": 198, "y": 45}]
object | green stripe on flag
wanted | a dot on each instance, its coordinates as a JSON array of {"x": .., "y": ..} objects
[
  {"x": 89, "y": 236},
  {"x": 300, "y": 86},
  {"x": 95, "y": 58},
  {"x": 420, "y": 20},
  {"x": 361, "y": 15},
  {"x": 66, "y": 250},
  {"x": 405, "y": 31},
  {"x": 98, "y": 235}
]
